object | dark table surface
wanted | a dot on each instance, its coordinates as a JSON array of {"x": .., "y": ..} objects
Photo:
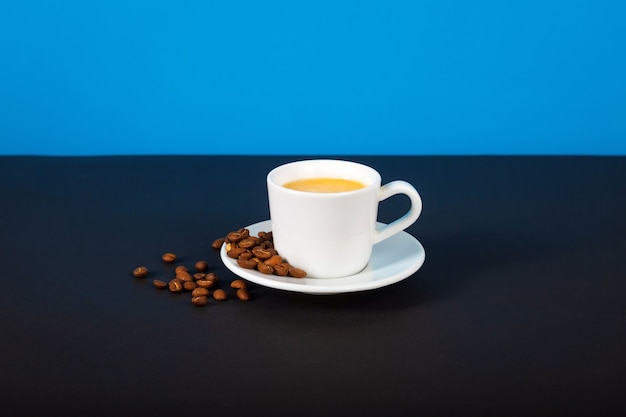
[{"x": 519, "y": 308}]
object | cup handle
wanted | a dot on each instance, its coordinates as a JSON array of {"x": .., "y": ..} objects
[{"x": 398, "y": 225}]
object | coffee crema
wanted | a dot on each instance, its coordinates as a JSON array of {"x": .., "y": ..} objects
[{"x": 324, "y": 185}]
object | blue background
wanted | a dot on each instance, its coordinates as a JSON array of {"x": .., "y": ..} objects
[{"x": 312, "y": 77}]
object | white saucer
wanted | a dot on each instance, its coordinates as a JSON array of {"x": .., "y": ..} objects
[{"x": 393, "y": 260}]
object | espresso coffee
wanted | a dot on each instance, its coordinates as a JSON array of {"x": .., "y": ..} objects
[{"x": 324, "y": 185}]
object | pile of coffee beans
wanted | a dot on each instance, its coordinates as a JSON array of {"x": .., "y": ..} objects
[
  {"x": 251, "y": 252},
  {"x": 257, "y": 252},
  {"x": 196, "y": 281}
]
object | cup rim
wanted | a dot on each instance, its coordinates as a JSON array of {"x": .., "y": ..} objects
[{"x": 375, "y": 182}]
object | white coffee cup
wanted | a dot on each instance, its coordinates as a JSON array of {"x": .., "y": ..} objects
[{"x": 331, "y": 235}]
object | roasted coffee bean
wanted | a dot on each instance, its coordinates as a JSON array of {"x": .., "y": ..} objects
[
  {"x": 217, "y": 243},
  {"x": 245, "y": 256},
  {"x": 184, "y": 275},
  {"x": 200, "y": 292},
  {"x": 190, "y": 285},
  {"x": 274, "y": 260},
  {"x": 211, "y": 276},
  {"x": 168, "y": 257},
  {"x": 159, "y": 284},
  {"x": 238, "y": 283},
  {"x": 200, "y": 301},
  {"x": 140, "y": 272},
  {"x": 180, "y": 268},
  {"x": 265, "y": 235},
  {"x": 175, "y": 285},
  {"x": 247, "y": 263},
  {"x": 265, "y": 268},
  {"x": 243, "y": 294},
  {"x": 281, "y": 269},
  {"x": 234, "y": 237},
  {"x": 235, "y": 252},
  {"x": 249, "y": 242},
  {"x": 297, "y": 272},
  {"x": 204, "y": 283},
  {"x": 219, "y": 295},
  {"x": 261, "y": 253},
  {"x": 199, "y": 275},
  {"x": 201, "y": 266}
]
